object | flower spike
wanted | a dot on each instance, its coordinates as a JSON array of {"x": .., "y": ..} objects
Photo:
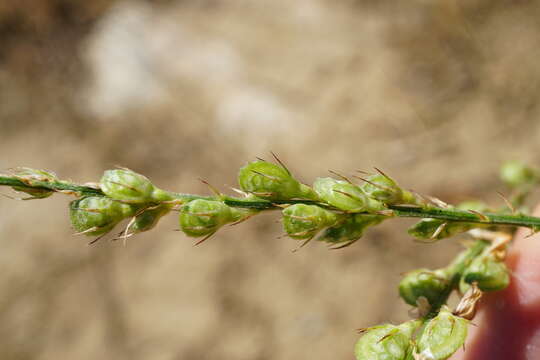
[{"x": 336, "y": 212}]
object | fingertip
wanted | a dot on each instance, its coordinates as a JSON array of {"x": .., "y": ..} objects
[
  {"x": 509, "y": 320},
  {"x": 524, "y": 263}
]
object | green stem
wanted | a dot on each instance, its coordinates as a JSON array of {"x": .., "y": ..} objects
[
  {"x": 50, "y": 185},
  {"x": 455, "y": 272},
  {"x": 260, "y": 204},
  {"x": 464, "y": 216}
]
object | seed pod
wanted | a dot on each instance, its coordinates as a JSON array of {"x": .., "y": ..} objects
[
  {"x": 30, "y": 176},
  {"x": 488, "y": 272},
  {"x": 272, "y": 182},
  {"x": 34, "y": 192},
  {"x": 129, "y": 186},
  {"x": 302, "y": 221},
  {"x": 204, "y": 217},
  {"x": 423, "y": 282},
  {"x": 435, "y": 229},
  {"x": 345, "y": 196},
  {"x": 386, "y": 342},
  {"x": 464, "y": 259},
  {"x": 442, "y": 336},
  {"x": 349, "y": 230},
  {"x": 97, "y": 215},
  {"x": 516, "y": 173},
  {"x": 383, "y": 189},
  {"x": 148, "y": 219}
]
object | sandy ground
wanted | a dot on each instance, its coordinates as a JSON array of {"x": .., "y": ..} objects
[{"x": 437, "y": 95}]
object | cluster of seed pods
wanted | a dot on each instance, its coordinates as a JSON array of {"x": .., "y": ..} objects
[
  {"x": 337, "y": 210},
  {"x": 333, "y": 211}
]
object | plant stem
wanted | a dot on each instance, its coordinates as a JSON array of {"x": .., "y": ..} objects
[
  {"x": 61, "y": 186},
  {"x": 464, "y": 216},
  {"x": 455, "y": 271},
  {"x": 261, "y": 204}
]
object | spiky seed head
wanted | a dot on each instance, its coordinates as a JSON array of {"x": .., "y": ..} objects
[
  {"x": 388, "y": 342},
  {"x": 490, "y": 273},
  {"x": 442, "y": 336},
  {"x": 516, "y": 173},
  {"x": 97, "y": 212},
  {"x": 129, "y": 186},
  {"x": 430, "y": 284},
  {"x": 271, "y": 181},
  {"x": 383, "y": 189},
  {"x": 350, "y": 229},
  {"x": 302, "y": 221},
  {"x": 344, "y": 195},
  {"x": 204, "y": 217}
]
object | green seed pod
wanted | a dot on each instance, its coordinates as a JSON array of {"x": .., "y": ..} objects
[
  {"x": 461, "y": 262},
  {"x": 488, "y": 272},
  {"x": 272, "y": 182},
  {"x": 30, "y": 176},
  {"x": 442, "y": 336},
  {"x": 423, "y": 282},
  {"x": 516, "y": 173},
  {"x": 148, "y": 219},
  {"x": 349, "y": 230},
  {"x": 383, "y": 189},
  {"x": 204, "y": 217},
  {"x": 97, "y": 215},
  {"x": 128, "y": 186},
  {"x": 34, "y": 192},
  {"x": 435, "y": 229},
  {"x": 302, "y": 221},
  {"x": 386, "y": 342},
  {"x": 345, "y": 196}
]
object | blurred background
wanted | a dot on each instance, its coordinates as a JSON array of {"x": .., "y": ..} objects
[{"x": 436, "y": 93}]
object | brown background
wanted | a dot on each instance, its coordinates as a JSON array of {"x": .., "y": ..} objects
[{"x": 436, "y": 94}]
